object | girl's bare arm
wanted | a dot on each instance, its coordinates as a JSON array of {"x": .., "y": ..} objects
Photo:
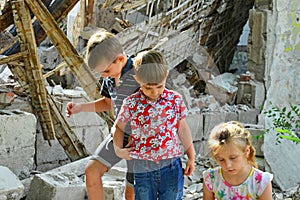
[
  {"x": 267, "y": 194},
  {"x": 207, "y": 194}
]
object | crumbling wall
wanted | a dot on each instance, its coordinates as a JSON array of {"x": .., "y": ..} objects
[{"x": 274, "y": 58}]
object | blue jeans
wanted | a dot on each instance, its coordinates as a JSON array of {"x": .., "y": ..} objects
[{"x": 163, "y": 180}]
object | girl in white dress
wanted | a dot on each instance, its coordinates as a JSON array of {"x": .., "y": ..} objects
[{"x": 237, "y": 176}]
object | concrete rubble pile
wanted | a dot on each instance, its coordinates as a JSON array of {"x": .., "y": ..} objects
[{"x": 208, "y": 104}]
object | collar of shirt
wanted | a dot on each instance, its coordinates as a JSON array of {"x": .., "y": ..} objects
[{"x": 128, "y": 66}]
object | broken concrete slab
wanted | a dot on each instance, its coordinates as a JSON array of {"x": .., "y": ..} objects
[
  {"x": 17, "y": 150},
  {"x": 249, "y": 117},
  {"x": 283, "y": 161},
  {"x": 56, "y": 186},
  {"x": 11, "y": 187},
  {"x": 114, "y": 190},
  {"x": 251, "y": 93},
  {"x": 257, "y": 137},
  {"x": 222, "y": 88},
  {"x": 201, "y": 147},
  {"x": 211, "y": 120},
  {"x": 195, "y": 122},
  {"x": 67, "y": 182}
]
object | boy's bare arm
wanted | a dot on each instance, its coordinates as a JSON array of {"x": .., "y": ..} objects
[
  {"x": 100, "y": 105},
  {"x": 184, "y": 134},
  {"x": 185, "y": 137},
  {"x": 118, "y": 138}
]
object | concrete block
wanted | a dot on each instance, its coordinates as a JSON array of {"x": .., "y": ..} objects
[
  {"x": 251, "y": 93},
  {"x": 71, "y": 18},
  {"x": 244, "y": 93},
  {"x": 26, "y": 183},
  {"x": 20, "y": 104},
  {"x": 11, "y": 187},
  {"x": 222, "y": 88},
  {"x": 201, "y": 148},
  {"x": 89, "y": 127},
  {"x": 231, "y": 116},
  {"x": 49, "y": 157},
  {"x": 257, "y": 141},
  {"x": 56, "y": 186},
  {"x": 286, "y": 168},
  {"x": 220, "y": 94},
  {"x": 17, "y": 143},
  {"x": 249, "y": 116},
  {"x": 257, "y": 43},
  {"x": 258, "y": 94},
  {"x": 113, "y": 180},
  {"x": 211, "y": 120},
  {"x": 195, "y": 122},
  {"x": 185, "y": 93},
  {"x": 92, "y": 136},
  {"x": 114, "y": 190},
  {"x": 261, "y": 163}
]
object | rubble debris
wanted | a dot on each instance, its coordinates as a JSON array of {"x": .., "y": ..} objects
[
  {"x": 11, "y": 186},
  {"x": 223, "y": 88}
]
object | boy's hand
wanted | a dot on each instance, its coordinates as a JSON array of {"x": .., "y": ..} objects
[
  {"x": 189, "y": 168},
  {"x": 72, "y": 108},
  {"x": 123, "y": 153}
]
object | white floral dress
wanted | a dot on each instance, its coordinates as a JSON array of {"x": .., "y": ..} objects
[{"x": 251, "y": 188}]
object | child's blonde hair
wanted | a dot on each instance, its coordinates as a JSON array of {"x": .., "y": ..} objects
[
  {"x": 150, "y": 67},
  {"x": 231, "y": 132},
  {"x": 103, "y": 47}
]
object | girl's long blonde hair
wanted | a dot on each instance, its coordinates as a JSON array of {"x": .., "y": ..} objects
[{"x": 231, "y": 132}]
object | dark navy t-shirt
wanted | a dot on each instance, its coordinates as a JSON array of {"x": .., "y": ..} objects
[{"x": 127, "y": 86}]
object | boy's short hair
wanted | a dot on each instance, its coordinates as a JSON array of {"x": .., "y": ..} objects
[
  {"x": 103, "y": 47},
  {"x": 150, "y": 67}
]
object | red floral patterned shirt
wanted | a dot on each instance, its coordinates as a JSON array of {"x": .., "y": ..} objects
[{"x": 154, "y": 124}]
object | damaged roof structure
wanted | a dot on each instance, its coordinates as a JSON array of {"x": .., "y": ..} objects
[{"x": 194, "y": 23}]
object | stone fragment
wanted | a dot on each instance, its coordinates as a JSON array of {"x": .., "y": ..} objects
[
  {"x": 17, "y": 143},
  {"x": 56, "y": 186},
  {"x": 222, "y": 88},
  {"x": 11, "y": 187}
]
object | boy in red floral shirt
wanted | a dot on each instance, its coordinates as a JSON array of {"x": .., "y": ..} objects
[{"x": 157, "y": 117}]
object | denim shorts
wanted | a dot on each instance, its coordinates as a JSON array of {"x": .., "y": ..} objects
[{"x": 163, "y": 180}]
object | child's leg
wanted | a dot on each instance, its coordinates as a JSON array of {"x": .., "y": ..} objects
[
  {"x": 172, "y": 180},
  {"x": 102, "y": 160},
  {"x": 129, "y": 190}
]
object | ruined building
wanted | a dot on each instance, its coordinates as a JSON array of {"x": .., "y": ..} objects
[{"x": 219, "y": 78}]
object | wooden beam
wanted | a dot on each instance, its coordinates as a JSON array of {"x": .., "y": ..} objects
[
  {"x": 6, "y": 17},
  {"x": 59, "y": 10},
  {"x": 72, "y": 146},
  {"x": 129, "y": 5},
  {"x": 32, "y": 66},
  {"x": 68, "y": 52},
  {"x": 14, "y": 57},
  {"x": 64, "y": 47},
  {"x": 58, "y": 68}
]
